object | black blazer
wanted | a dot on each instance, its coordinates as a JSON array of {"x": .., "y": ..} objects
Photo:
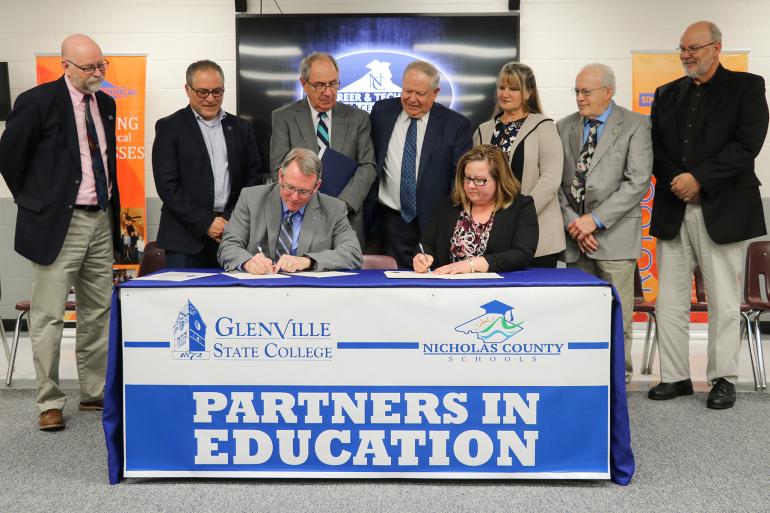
[
  {"x": 447, "y": 136},
  {"x": 512, "y": 241},
  {"x": 40, "y": 162},
  {"x": 184, "y": 177},
  {"x": 729, "y": 133}
]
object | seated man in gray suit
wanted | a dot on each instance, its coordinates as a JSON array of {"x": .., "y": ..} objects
[
  {"x": 317, "y": 122},
  {"x": 289, "y": 226},
  {"x": 607, "y": 169}
]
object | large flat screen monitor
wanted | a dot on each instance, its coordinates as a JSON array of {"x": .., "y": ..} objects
[{"x": 372, "y": 51}]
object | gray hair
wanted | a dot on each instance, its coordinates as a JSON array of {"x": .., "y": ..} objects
[
  {"x": 716, "y": 34},
  {"x": 307, "y": 161},
  {"x": 608, "y": 76},
  {"x": 307, "y": 63},
  {"x": 203, "y": 65},
  {"x": 427, "y": 68}
]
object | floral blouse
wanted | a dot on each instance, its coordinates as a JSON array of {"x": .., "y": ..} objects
[{"x": 469, "y": 238}]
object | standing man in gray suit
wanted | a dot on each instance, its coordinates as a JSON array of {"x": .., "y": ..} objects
[
  {"x": 289, "y": 226},
  {"x": 317, "y": 122},
  {"x": 607, "y": 170}
]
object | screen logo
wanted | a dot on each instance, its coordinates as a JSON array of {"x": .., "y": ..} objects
[{"x": 367, "y": 77}]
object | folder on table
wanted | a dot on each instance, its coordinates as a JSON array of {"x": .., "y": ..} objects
[{"x": 337, "y": 171}]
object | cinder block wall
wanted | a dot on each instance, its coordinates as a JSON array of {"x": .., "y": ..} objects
[{"x": 557, "y": 38}]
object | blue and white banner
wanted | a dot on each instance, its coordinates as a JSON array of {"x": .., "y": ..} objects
[{"x": 367, "y": 382}]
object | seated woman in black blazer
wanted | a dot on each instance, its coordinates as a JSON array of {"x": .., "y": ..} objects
[{"x": 486, "y": 225}]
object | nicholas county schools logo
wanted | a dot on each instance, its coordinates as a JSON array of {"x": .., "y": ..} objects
[
  {"x": 495, "y": 325},
  {"x": 368, "y": 77},
  {"x": 189, "y": 342}
]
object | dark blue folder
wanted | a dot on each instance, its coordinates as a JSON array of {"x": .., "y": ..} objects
[{"x": 337, "y": 172}]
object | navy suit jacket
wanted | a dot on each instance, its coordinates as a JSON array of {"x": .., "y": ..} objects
[
  {"x": 40, "y": 162},
  {"x": 184, "y": 177},
  {"x": 447, "y": 136},
  {"x": 729, "y": 132}
]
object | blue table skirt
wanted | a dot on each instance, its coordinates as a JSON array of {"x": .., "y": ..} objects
[{"x": 622, "y": 462}]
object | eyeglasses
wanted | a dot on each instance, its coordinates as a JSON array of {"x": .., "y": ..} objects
[
  {"x": 692, "y": 50},
  {"x": 302, "y": 192},
  {"x": 202, "y": 94},
  {"x": 585, "y": 92},
  {"x": 91, "y": 69},
  {"x": 479, "y": 182},
  {"x": 320, "y": 87}
]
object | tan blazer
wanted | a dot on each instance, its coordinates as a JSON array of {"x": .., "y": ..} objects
[{"x": 543, "y": 161}]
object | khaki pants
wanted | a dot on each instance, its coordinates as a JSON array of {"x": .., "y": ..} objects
[
  {"x": 85, "y": 261},
  {"x": 720, "y": 265},
  {"x": 620, "y": 273}
]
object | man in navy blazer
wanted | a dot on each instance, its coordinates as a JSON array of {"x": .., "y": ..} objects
[
  {"x": 201, "y": 159},
  {"x": 417, "y": 144},
  {"x": 57, "y": 155}
]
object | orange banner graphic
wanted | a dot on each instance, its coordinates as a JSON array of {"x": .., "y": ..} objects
[
  {"x": 125, "y": 82},
  {"x": 650, "y": 70}
]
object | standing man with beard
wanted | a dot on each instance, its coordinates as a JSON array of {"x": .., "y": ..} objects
[
  {"x": 707, "y": 129},
  {"x": 57, "y": 156}
]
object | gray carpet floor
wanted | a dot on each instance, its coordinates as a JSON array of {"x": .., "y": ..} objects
[{"x": 689, "y": 459}]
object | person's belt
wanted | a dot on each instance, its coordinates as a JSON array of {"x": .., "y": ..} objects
[{"x": 87, "y": 208}]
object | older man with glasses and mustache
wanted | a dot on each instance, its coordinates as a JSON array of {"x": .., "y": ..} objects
[
  {"x": 707, "y": 129},
  {"x": 201, "y": 159},
  {"x": 57, "y": 155},
  {"x": 289, "y": 226}
]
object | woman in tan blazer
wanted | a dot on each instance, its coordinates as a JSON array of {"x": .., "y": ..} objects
[{"x": 534, "y": 151}]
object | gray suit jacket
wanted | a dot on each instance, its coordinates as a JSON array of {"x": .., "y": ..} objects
[
  {"x": 350, "y": 135},
  {"x": 616, "y": 182},
  {"x": 326, "y": 235}
]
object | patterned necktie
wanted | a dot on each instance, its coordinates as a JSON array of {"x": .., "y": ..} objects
[
  {"x": 97, "y": 164},
  {"x": 286, "y": 236},
  {"x": 322, "y": 131},
  {"x": 578, "y": 188},
  {"x": 408, "y": 174}
]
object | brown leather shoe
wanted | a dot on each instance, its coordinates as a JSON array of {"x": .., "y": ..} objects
[
  {"x": 91, "y": 405},
  {"x": 51, "y": 420}
]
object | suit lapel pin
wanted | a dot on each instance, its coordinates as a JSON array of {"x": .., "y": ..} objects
[
  {"x": 110, "y": 117},
  {"x": 616, "y": 130}
]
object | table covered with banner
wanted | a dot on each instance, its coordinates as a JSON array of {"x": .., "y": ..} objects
[{"x": 361, "y": 376}]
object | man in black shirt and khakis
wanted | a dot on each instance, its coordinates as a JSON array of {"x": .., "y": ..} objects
[{"x": 707, "y": 129}]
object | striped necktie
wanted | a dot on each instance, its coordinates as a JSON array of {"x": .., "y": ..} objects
[
  {"x": 97, "y": 163},
  {"x": 286, "y": 236},
  {"x": 322, "y": 131}
]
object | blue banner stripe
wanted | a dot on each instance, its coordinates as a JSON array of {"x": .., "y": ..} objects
[
  {"x": 588, "y": 345},
  {"x": 378, "y": 345},
  {"x": 146, "y": 344}
]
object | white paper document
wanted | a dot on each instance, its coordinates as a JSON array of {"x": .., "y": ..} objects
[
  {"x": 174, "y": 276},
  {"x": 248, "y": 276},
  {"x": 322, "y": 274},
  {"x": 423, "y": 276}
]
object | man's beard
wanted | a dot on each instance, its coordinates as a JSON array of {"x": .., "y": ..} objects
[{"x": 90, "y": 84}]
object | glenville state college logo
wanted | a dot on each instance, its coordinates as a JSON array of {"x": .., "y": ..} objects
[{"x": 189, "y": 341}]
